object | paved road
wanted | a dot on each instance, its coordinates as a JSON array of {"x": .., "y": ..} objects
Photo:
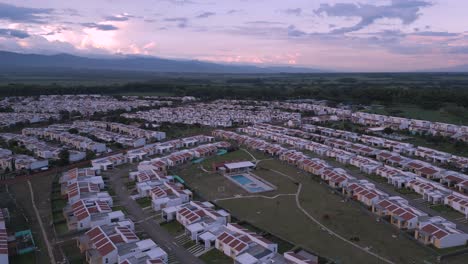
[{"x": 165, "y": 240}]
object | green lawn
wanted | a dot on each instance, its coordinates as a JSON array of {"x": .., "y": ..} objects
[
  {"x": 29, "y": 258},
  {"x": 120, "y": 208},
  {"x": 58, "y": 217},
  {"x": 442, "y": 146},
  {"x": 58, "y": 204},
  {"x": 407, "y": 192},
  {"x": 61, "y": 228},
  {"x": 215, "y": 256},
  {"x": 446, "y": 211},
  {"x": 348, "y": 219},
  {"x": 72, "y": 252},
  {"x": 144, "y": 202},
  {"x": 239, "y": 155},
  {"x": 173, "y": 227},
  {"x": 376, "y": 178}
]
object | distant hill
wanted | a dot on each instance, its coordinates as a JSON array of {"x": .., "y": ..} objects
[
  {"x": 458, "y": 68},
  {"x": 10, "y": 60}
]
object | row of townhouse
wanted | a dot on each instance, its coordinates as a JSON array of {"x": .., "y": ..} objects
[
  {"x": 413, "y": 125},
  {"x": 319, "y": 109},
  {"x": 159, "y": 148},
  {"x": 123, "y": 129},
  {"x": 42, "y": 149},
  {"x": 117, "y": 243},
  {"x": 8, "y": 119},
  {"x": 58, "y": 133},
  {"x": 110, "y": 238},
  {"x": 214, "y": 114},
  {"x": 342, "y": 150},
  {"x": 403, "y": 169},
  {"x": 404, "y": 217},
  {"x": 431, "y": 155},
  {"x": 369, "y": 119},
  {"x": 10, "y": 161},
  {"x": 109, "y": 136},
  {"x": 84, "y": 104}
]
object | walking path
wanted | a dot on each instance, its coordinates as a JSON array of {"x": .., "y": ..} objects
[
  {"x": 44, "y": 234},
  {"x": 251, "y": 155},
  {"x": 298, "y": 204},
  {"x": 333, "y": 233}
]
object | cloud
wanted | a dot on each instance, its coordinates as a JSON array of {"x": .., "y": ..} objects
[
  {"x": 405, "y": 10},
  {"x": 233, "y": 11},
  {"x": 13, "y": 33},
  {"x": 103, "y": 27},
  {"x": 459, "y": 50},
  {"x": 293, "y": 11},
  {"x": 120, "y": 17},
  {"x": 23, "y": 14},
  {"x": 263, "y": 23},
  {"x": 181, "y": 21},
  {"x": 206, "y": 14},
  {"x": 71, "y": 12},
  {"x": 436, "y": 34},
  {"x": 179, "y": 2},
  {"x": 294, "y": 32}
]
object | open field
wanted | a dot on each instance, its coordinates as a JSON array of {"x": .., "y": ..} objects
[
  {"x": 444, "y": 114},
  {"x": 349, "y": 219}
]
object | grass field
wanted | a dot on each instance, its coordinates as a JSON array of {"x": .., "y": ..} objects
[
  {"x": 348, "y": 219},
  {"x": 416, "y": 112}
]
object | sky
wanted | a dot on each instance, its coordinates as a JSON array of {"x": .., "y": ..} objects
[{"x": 351, "y": 35}]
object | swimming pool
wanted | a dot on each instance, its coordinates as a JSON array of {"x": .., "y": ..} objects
[
  {"x": 250, "y": 183},
  {"x": 241, "y": 179}
]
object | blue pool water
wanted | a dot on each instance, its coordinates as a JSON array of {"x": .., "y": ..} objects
[
  {"x": 251, "y": 185},
  {"x": 241, "y": 179},
  {"x": 255, "y": 189}
]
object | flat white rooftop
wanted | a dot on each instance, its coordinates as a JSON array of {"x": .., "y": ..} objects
[{"x": 238, "y": 165}]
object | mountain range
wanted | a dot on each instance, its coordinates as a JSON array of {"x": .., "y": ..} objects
[{"x": 11, "y": 60}]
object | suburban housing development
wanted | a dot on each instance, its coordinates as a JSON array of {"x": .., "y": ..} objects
[{"x": 172, "y": 180}]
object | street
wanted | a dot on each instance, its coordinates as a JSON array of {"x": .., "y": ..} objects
[{"x": 165, "y": 240}]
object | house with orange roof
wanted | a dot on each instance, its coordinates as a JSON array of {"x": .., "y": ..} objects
[
  {"x": 399, "y": 213},
  {"x": 440, "y": 233},
  {"x": 245, "y": 246}
]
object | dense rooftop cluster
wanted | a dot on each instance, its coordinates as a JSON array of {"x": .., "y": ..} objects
[
  {"x": 84, "y": 104},
  {"x": 215, "y": 114}
]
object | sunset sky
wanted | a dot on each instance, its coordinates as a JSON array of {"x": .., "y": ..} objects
[{"x": 380, "y": 35}]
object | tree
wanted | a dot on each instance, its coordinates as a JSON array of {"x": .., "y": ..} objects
[
  {"x": 388, "y": 130},
  {"x": 64, "y": 157},
  {"x": 90, "y": 155},
  {"x": 73, "y": 131}
]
